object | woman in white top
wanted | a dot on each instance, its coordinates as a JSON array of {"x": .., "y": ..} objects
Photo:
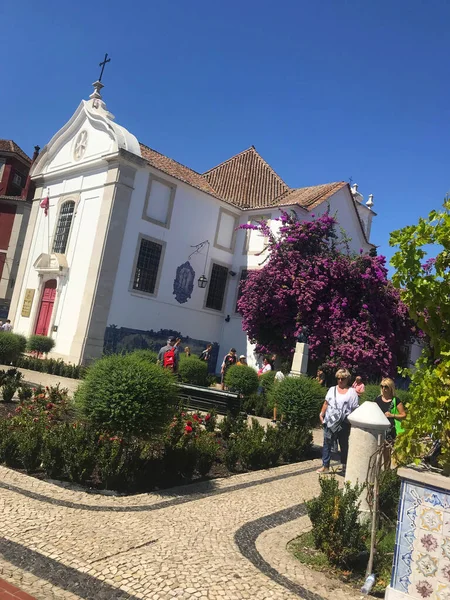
[
  {"x": 265, "y": 368},
  {"x": 340, "y": 401}
]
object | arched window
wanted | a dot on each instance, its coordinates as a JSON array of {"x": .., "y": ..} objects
[{"x": 63, "y": 227}]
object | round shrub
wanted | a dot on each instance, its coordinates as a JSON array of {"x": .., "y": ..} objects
[
  {"x": 145, "y": 355},
  {"x": 267, "y": 380},
  {"x": 10, "y": 347},
  {"x": 193, "y": 370},
  {"x": 22, "y": 341},
  {"x": 371, "y": 391},
  {"x": 299, "y": 399},
  {"x": 127, "y": 395},
  {"x": 41, "y": 344},
  {"x": 242, "y": 379}
]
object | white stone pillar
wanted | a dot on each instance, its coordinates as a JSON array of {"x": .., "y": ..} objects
[
  {"x": 300, "y": 360},
  {"x": 367, "y": 422}
]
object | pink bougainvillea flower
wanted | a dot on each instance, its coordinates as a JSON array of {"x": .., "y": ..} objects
[{"x": 354, "y": 315}]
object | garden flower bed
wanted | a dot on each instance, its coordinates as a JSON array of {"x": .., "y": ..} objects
[{"x": 44, "y": 436}]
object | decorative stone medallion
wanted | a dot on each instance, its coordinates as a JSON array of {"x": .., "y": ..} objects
[
  {"x": 183, "y": 284},
  {"x": 80, "y": 145}
]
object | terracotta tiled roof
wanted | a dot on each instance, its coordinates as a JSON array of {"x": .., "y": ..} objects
[
  {"x": 176, "y": 169},
  {"x": 310, "y": 197},
  {"x": 11, "y": 146},
  {"x": 246, "y": 180}
]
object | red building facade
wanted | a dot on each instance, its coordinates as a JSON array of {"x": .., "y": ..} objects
[{"x": 16, "y": 193}]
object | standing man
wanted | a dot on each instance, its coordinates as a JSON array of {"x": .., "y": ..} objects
[
  {"x": 229, "y": 360},
  {"x": 168, "y": 356},
  {"x": 206, "y": 354},
  {"x": 7, "y": 326}
]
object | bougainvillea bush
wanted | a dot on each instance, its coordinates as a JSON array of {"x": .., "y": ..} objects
[{"x": 353, "y": 313}]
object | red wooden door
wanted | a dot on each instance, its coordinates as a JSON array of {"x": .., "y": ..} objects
[{"x": 46, "y": 307}]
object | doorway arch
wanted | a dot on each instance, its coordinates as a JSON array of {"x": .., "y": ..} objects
[{"x": 46, "y": 307}]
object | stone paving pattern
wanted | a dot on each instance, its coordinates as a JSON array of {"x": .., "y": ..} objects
[
  {"x": 223, "y": 539},
  {"x": 211, "y": 540}
]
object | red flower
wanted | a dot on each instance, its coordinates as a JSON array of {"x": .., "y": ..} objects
[
  {"x": 50, "y": 405},
  {"x": 207, "y": 418},
  {"x": 189, "y": 423},
  {"x": 18, "y": 409},
  {"x": 196, "y": 418},
  {"x": 188, "y": 429}
]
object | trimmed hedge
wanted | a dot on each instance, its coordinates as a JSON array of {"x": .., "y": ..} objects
[
  {"x": 299, "y": 400},
  {"x": 126, "y": 395},
  {"x": 145, "y": 355},
  {"x": 193, "y": 370},
  {"x": 242, "y": 379},
  {"x": 41, "y": 344},
  {"x": 11, "y": 346},
  {"x": 50, "y": 365}
]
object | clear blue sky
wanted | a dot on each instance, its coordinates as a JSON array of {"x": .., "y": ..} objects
[{"x": 325, "y": 90}]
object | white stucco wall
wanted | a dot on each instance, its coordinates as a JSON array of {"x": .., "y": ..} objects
[
  {"x": 194, "y": 220},
  {"x": 78, "y": 253},
  {"x": 62, "y": 177}
]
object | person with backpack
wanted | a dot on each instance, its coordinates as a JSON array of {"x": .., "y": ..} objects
[
  {"x": 228, "y": 361},
  {"x": 340, "y": 401},
  {"x": 168, "y": 356}
]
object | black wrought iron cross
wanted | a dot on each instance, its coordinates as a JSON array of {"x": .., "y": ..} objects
[{"x": 102, "y": 65}]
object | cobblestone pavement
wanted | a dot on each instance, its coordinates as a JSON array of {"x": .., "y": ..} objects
[{"x": 224, "y": 539}]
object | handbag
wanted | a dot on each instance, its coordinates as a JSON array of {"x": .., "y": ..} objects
[
  {"x": 335, "y": 417},
  {"x": 397, "y": 423}
]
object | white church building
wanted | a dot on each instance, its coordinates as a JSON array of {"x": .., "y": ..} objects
[{"x": 136, "y": 246}]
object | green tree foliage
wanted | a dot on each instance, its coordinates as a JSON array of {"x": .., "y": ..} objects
[{"x": 425, "y": 288}]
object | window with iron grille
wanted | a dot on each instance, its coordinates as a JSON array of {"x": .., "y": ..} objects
[
  {"x": 217, "y": 287},
  {"x": 63, "y": 227},
  {"x": 147, "y": 266},
  {"x": 243, "y": 278}
]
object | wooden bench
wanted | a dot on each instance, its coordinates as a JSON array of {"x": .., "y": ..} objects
[{"x": 205, "y": 399}]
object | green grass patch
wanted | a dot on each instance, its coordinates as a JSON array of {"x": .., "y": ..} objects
[{"x": 303, "y": 549}]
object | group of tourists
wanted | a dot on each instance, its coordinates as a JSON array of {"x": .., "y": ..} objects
[
  {"x": 231, "y": 359},
  {"x": 340, "y": 401},
  {"x": 169, "y": 355}
]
